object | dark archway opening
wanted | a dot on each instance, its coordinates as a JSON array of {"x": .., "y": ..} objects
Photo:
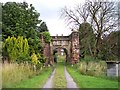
[{"x": 60, "y": 55}]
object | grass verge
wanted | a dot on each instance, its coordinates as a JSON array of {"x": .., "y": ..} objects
[
  {"x": 37, "y": 81},
  {"x": 34, "y": 82},
  {"x": 84, "y": 81},
  {"x": 59, "y": 80}
]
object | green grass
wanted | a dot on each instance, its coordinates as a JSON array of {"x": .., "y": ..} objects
[
  {"x": 35, "y": 82},
  {"x": 59, "y": 80},
  {"x": 84, "y": 81}
]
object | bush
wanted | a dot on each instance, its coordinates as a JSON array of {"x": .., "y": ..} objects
[
  {"x": 16, "y": 48},
  {"x": 35, "y": 60},
  {"x": 42, "y": 59}
]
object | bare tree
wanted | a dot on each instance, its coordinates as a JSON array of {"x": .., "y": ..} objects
[
  {"x": 103, "y": 19},
  {"x": 75, "y": 16},
  {"x": 102, "y": 15},
  {"x": 83, "y": 12}
]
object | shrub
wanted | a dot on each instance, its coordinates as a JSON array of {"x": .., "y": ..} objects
[
  {"x": 42, "y": 59},
  {"x": 34, "y": 59},
  {"x": 36, "y": 62},
  {"x": 16, "y": 48}
]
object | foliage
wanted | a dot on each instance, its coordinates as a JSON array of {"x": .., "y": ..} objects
[
  {"x": 35, "y": 59},
  {"x": 21, "y": 19},
  {"x": 15, "y": 48},
  {"x": 42, "y": 59},
  {"x": 87, "y": 38},
  {"x": 102, "y": 16},
  {"x": 42, "y": 27},
  {"x": 47, "y": 37},
  {"x": 109, "y": 49}
]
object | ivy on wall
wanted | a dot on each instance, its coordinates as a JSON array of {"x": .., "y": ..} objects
[{"x": 47, "y": 37}]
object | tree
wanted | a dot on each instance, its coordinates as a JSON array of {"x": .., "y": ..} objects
[
  {"x": 87, "y": 38},
  {"x": 110, "y": 46},
  {"x": 101, "y": 15},
  {"x": 42, "y": 27},
  {"x": 21, "y": 19},
  {"x": 74, "y": 17}
]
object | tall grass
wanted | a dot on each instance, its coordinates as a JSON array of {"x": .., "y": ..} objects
[
  {"x": 92, "y": 68},
  {"x": 14, "y": 73}
]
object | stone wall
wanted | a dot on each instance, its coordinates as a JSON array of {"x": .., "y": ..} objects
[
  {"x": 46, "y": 50},
  {"x": 75, "y": 47}
]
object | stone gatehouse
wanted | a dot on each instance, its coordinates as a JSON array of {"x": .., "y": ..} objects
[{"x": 70, "y": 44}]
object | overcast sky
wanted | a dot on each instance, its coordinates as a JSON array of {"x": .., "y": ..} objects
[{"x": 50, "y": 13}]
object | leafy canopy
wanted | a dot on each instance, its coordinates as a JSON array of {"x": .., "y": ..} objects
[{"x": 21, "y": 19}]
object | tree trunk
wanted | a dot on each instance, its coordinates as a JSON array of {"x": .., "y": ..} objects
[{"x": 89, "y": 46}]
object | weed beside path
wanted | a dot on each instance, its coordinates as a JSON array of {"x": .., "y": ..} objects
[{"x": 85, "y": 81}]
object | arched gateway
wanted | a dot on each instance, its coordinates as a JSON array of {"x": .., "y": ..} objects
[{"x": 68, "y": 43}]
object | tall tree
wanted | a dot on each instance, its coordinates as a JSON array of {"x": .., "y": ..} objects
[
  {"x": 103, "y": 18},
  {"x": 101, "y": 15},
  {"x": 21, "y": 19},
  {"x": 110, "y": 47},
  {"x": 87, "y": 38}
]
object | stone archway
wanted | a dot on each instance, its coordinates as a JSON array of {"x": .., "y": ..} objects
[
  {"x": 61, "y": 52},
  {"x": 71, "y": 43}
]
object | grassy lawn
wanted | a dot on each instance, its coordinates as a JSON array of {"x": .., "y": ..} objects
[
  {"x": 84, "y": 81},
  {"x": 35, "y": 82},
  {"x": 59, "y": 80}
]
